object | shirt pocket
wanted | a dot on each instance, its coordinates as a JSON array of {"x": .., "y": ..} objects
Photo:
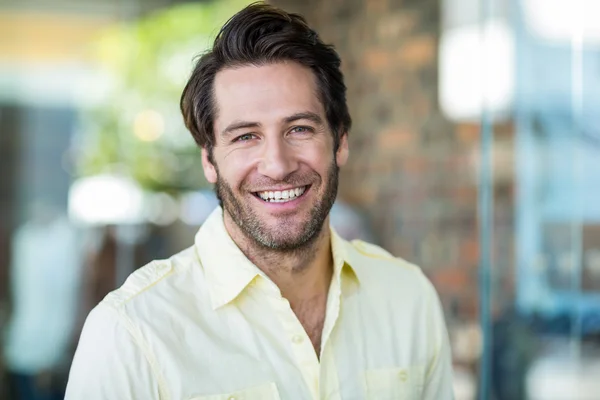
[
  {"x": 402, "y": 383},
  {"x": 266, "y": 391}
]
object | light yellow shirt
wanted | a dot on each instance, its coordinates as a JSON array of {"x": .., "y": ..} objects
[{"x": 207, "y": 324}]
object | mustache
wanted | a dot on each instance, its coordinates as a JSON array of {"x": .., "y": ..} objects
[{"x": 294, "y": 179}]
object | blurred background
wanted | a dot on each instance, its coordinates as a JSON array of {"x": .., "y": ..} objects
[{"x": 475, "y": 153}]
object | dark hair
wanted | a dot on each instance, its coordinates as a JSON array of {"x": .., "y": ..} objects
[{"x": 257, "y": 35}]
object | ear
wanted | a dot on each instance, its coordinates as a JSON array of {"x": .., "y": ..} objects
[
  {"x": 341, "y": 156},
  {"x": 210, "y": 172}
]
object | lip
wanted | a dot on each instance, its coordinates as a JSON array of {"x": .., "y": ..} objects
[
  {"x": 280, "y": 189},
  {"x": 288, "y": 205}
]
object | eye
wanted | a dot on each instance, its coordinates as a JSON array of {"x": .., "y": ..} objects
[
  {"x": 244, "y": 138},
  {"x": 301, "y": 129}
]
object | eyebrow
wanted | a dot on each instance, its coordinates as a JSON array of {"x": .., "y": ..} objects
[
  {"x": 239, "y": 125},
  {"x": 307, "y": 115}
]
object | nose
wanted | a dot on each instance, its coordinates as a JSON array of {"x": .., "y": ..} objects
[{"x": 278, "y": 160}]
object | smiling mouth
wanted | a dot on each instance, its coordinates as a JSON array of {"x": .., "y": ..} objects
[{"x": 281, "y": 196}]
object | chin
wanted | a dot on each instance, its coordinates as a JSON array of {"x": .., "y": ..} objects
[{"x": 303, "y": 235}]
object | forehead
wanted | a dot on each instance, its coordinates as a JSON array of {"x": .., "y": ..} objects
[{"x": 265, "y": 93}]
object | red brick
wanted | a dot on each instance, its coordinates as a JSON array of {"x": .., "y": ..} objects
[
  {"x": 382, "y": 166},
  {"x": 417, "y": 52},
  {"x": 395, "y": 139},
  {"x": 394, "y": 84},
  {"x": 469, "y": 251},
  {"x": 377, "y": 60},
  {"x": 468, "y": 133},
  {"x": 464, "y": 195},
  {"x": 364, "y": 198},
  {"x": 421, "y": 106},
  {"x": 414, "y": 165},
  {"x": 455, "y": 279},
  {"x": 376, "y": 7},
  {"x": 391, "y": 27}
]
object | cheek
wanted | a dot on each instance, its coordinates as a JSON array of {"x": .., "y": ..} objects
[
  {"x": 319, "y": 158},
  {"x": 234, "y": 168}
]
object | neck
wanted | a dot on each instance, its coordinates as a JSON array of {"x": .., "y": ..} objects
[{"x": 300, "y": 274}]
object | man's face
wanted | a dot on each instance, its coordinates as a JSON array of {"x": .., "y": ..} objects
[{"x": 274, "y": 164}]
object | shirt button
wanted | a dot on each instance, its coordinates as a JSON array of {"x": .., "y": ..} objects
[
  {"x": 403, "y": 375},
  {"x": 298, "y": 339}
]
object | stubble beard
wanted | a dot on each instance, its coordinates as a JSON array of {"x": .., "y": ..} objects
[{"x": 279, "y": 239}]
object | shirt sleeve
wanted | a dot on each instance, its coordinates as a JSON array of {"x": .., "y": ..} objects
[
  {"x": 438, "y": 379},
  {"x": 109, "y": 363}
]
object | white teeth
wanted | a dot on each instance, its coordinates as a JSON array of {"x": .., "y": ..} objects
[{"x": 281, "y": 196}]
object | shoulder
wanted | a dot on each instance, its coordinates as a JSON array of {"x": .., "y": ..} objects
[
  {"x": 110, "y": 349},
  {"x": 376, "y": 253},
  {"x": 118, "y": 333},
  {"x": 378, "y": 260},
  {"x": 379, "y": 268},
  {"x": 152, "y": 279}
]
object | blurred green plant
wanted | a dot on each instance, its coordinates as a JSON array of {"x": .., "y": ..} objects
[{"x": 139, "y": 131}]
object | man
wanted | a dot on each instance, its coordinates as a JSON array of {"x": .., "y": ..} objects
[{"x": 269, "y": 303}]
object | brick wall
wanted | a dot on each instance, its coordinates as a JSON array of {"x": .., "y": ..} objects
[{"x": 414, "y": 169}]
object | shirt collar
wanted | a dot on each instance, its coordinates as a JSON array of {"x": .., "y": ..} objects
[
  {"x": 343, "y": 261},
  {"x": 229, "y": 271}
]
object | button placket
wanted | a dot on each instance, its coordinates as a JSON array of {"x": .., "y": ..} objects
[
  {"x": 301, "y": 345},
  {"x": 297, "y": 339},
  {"x": 403, "y": 375}
]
